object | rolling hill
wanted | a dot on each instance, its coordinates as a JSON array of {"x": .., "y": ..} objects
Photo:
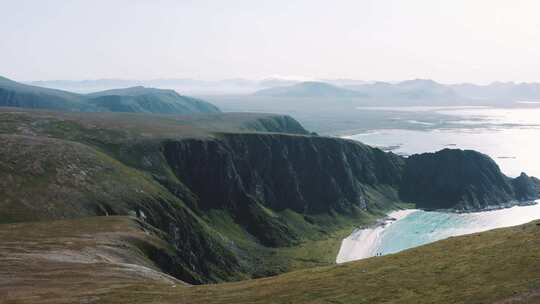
[
  {"x": 145, "y": 204},
  {"x": 237, "y": 195},
  {"x": 134, "y": 99},
  {"x": 148, "y": 100},
  {"x": 14, "y": 94}
]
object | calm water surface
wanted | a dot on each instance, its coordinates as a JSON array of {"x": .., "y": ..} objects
[
  {"x": 422, "y": 227},
  {"x": 510, "y": 136}
]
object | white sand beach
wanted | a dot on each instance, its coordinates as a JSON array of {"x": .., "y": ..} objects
[{"x": 363, "y": 243}]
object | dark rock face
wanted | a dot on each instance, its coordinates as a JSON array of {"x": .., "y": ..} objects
[
  {"x": 305, "y": 174},
  {"x": 221, "y": 199},
  {"x": 526, "y": 188},
  {"x": 253, "y": 175},
  {"x": 48, "y": 179},
  {"x": 247, "y": 173},
  {"x": 464, "y": 180}
]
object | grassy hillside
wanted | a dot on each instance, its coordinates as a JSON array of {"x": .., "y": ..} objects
[
  {"x": 500, "y": 266},
  {"x": 61, "y": 261},
  {"x": 134, "y": 99},
  {"x": 99, "y": 260},
  {"x": 233, "y": 205},
  {"x": 148, "y": 100},
  {"x": 14, "y": 94},
  {"x": 73, "y": 165}
]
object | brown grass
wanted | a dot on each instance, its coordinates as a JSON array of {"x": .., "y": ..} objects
[{"x": 501, "y": 265}]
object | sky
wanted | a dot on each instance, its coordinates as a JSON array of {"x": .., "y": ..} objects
[{"x": 449, "y": 41}]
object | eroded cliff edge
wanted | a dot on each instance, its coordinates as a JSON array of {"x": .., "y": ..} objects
[
  {"x": 463, "y": 180},
  {"x": 230, "y": 205}
]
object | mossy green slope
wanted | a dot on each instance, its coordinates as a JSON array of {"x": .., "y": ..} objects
[
  {"x": 134, "y": 99},
  {"x": 233, "y": 204},
  {"x": 68, "y": 165}
]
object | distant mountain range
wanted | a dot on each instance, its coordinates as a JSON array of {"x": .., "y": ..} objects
[
  {"x": 185, "y": 85},
  {"x": 417, "y": 90},
  {"x": 409, "y": 92},
  {"x": 310, "y": 89},
  {"x": 412, "y": 92},
  {"x": 133, "y": 99}
]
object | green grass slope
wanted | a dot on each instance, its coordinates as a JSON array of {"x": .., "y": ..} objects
[
  {"x": 98, "y": 260},
  {"x": 49, "y": 178},
  {"x": 135, "y": 99},
  {"x": 14, "y": 94},
  {"x": 233, "y": 202},
  {"x": 499, "y": 266},
  {"x": 148, "y": 100},
  {"x": 72, "y": 165}
]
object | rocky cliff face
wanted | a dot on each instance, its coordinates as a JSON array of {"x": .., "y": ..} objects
[
  {"x": 48, "y": 179},
  {"x": 463, "y": 180},
  {"x": 302, "y": 173},
  {"x": 248, "y": 173},
  {"x": 526, "y": 188},
  {"x": 226, "y": 203}
]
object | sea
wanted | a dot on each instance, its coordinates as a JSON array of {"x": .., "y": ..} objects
[{"x": 511, "y": 136}]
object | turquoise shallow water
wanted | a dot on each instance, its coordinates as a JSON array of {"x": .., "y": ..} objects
[
  {"x": 508, "y": 135},
  {"x": 422, "y": 227}
]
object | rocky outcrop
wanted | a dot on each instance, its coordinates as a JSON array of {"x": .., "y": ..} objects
[
  {"x": 43, "y": 179},
  {"x": 526, "y": 188},
  {"x": 302, "y": 173},
  {"x": 226, "y": 202},
  {"x": 248, "y": 173},
  {"x": 463, "y": 180}
]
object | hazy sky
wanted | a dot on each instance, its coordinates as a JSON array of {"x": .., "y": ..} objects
[{"x": 449, "y": 41}]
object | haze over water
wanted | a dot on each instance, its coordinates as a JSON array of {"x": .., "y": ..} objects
[{"x": 509, "y": 135}]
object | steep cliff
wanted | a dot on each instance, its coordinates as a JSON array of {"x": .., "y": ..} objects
[
  {"x": 47, "y": 179},
  {"x": 233, "y": 204},
  {"x": 302, "y": 173},
  {"x": 255, "y": 175},
  {"x": 463, "y": 180},
  {"x": 526, "y": 187}
]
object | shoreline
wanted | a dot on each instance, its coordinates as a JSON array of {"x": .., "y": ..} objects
[
  {"x": 363, "y": 243},
  {"x": 507, "y": 205}
]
